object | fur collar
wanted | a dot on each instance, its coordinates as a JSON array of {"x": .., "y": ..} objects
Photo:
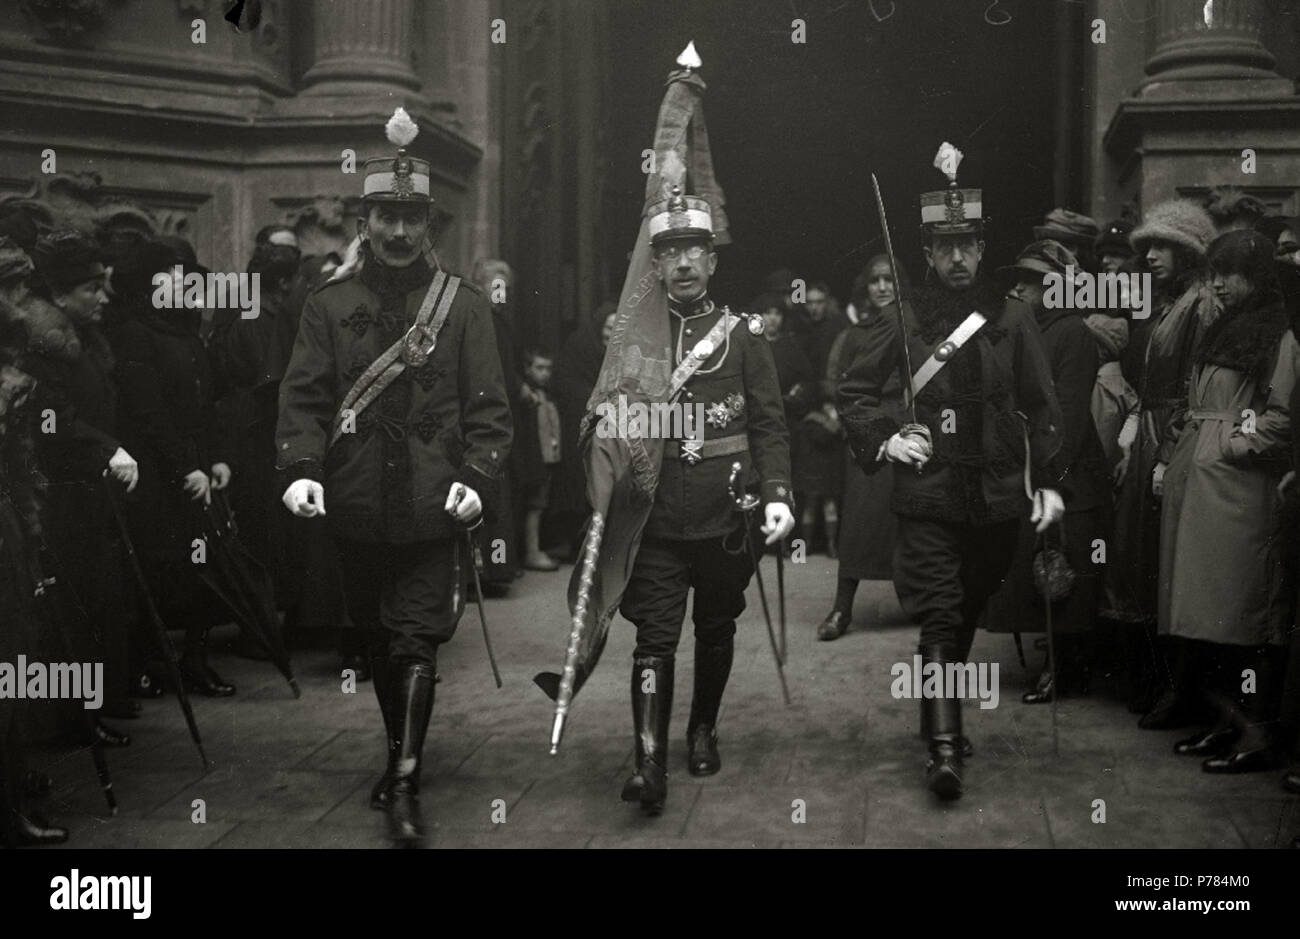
[
  {"x": 939, "y": 310},
  {"x": 1245, "y": 341},
  {"x": 49, "y": 331},
  {"x": 53, "y": 335}
]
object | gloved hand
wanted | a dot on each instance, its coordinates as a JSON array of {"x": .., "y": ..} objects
[
  {"x": 124, "y": 469},
  {"x": 1049, "y": 508},
  {"x": 910, "y": 450},
  {"x": 305, "y": 498},
  {"x": 220, "y": 476},
  {"x": 779, "y": 521},
  {"x": 1158, "y": 480},
  {"x": 197, "y": 485},
  {"x": 463, "y": 503}
]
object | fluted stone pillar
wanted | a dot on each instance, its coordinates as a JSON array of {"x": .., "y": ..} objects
[
  {"x": 361, "y": 46},
  {"x": 1210, "y": 48}
]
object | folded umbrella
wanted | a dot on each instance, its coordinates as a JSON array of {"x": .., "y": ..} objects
[{"x": 243, "y": 584}]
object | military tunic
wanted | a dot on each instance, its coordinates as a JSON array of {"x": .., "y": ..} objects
[
  {"x": 693, "y": 538},
  {"x": 958, "y": 517},
  {"x": 386, "y": 483}
]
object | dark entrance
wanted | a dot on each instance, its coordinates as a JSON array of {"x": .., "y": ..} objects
[{"x": 797, "y": 129}]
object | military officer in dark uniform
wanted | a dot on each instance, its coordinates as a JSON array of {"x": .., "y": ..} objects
[
  {"x": 694, "y": 536},
  {"x": 983, "y": 391},
  {"x": 393, "y": 403}
]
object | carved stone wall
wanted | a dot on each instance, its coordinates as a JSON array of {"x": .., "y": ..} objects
[{"x": 216, "y": 139}]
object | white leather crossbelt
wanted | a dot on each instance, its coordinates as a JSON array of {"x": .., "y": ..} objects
[{"x": 946, "y": 350}]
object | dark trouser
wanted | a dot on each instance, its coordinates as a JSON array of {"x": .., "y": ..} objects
[
  {"x": 400, "y": 596},
  {"x": 665, "y": 571},
  {"x": 944, "y": 574}
]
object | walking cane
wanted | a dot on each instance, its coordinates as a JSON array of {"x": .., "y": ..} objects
[
  {"x": 155, "y": 620},
  {"x": 97, "y": 754},
  {"x": 746, "y": 504},
  {"x": 780, "y": 591},
  {"x": 478, "y": 586},
  {"x": 1051, "y": 666}
]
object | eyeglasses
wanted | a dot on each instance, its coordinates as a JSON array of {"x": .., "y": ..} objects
[{"x": 673, "y": 252}]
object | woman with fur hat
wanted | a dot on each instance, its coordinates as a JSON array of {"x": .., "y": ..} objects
[
  {"x": 73, "y": 365},
  {"x": 1171, "y": 243},
  {"x": 1223, "y": 574}
]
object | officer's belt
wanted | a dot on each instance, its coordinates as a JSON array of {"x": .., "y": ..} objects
[
  {"x": 692, "y": 451},
  {"x": 945, "y": 350},
  {"x": 406, "y": 351}
]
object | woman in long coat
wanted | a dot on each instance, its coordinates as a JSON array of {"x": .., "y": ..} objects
[
  {"x": 73, "y": 366},
  {"x": 1224, "y": 577},
  {"x": 866, "y": 545},
  {"x": 1172, "y": 242},
  {"x": 167, "y": 418},
  {"x": 20, "y": 537}
]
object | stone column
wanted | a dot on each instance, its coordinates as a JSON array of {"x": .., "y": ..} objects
[
  {"x": 1208, "y": 48},
  {"x": 361, "y": 46}
]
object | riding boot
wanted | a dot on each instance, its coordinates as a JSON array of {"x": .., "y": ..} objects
[
  {"x": 31, "y": 833},
  {"x": 967, "y": 748},
  {"x": 412, "y": 704},
  {"x": 383, "y": 694},
  {"x": 652, "y": 708},
  {"x": 943, "y": 772},
  {"x": 197, "y": 674},
  {"x": 712, "y": 668},
  {"x": 832, "y": 538}
]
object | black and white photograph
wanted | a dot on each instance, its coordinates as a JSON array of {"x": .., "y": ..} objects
[{"x": 532, "y": 425}]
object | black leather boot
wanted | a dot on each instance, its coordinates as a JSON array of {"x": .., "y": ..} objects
[
  {"x": 651, "y": 712},
  {"x": 383, "y": 691},
  {"x": 835, "y": 624},
  {"x": 943, "y": 772},
  {"x": 197, "y": 674},
  {"x": 412, "y": 704},
  {"x": 29, "y": 834},
  {"x": 712, "y": 668},
  {"x": 110, "y": 736}
]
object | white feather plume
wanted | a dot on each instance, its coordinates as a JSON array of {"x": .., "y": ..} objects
[{"x": 400, "y": 129}]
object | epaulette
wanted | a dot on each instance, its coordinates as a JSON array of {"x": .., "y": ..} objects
[{"x": 754, "y": 322}]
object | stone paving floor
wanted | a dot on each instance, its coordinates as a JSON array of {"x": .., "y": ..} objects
[{"x": 296, "y": 773}]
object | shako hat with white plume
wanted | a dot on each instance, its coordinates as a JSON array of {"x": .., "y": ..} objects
[
  {"x": 401, "y": 178},
  {"x": 951, "y": 211}
]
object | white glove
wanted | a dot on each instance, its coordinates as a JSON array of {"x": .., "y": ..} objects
[
  {"x": 305, "y": 498},
  {"x": 124, "y": 468},
  {"x": 909, "y": 450},
  {"x": 779, "y": 521},
  {"x": 463, "y": 503},
  {"x": 1049, "y": 508},
  {"x": 1158, "y": 480},
  {"x": 220, "y": 475},
  {"x": 197, "y": 485}
]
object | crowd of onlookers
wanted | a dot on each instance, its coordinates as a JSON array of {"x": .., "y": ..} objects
[
  {"x": 1176, "y": 430},
  {"x": 1180, "y": 533}
]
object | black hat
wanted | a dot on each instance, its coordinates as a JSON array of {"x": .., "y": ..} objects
[
  {"x": 18, "y": 225},
  {"x": 1114, "y": 239},
  {"x": 67, "y": 257}
]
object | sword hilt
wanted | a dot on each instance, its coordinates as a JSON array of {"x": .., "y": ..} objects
[{"x": 744, "y": 501}]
